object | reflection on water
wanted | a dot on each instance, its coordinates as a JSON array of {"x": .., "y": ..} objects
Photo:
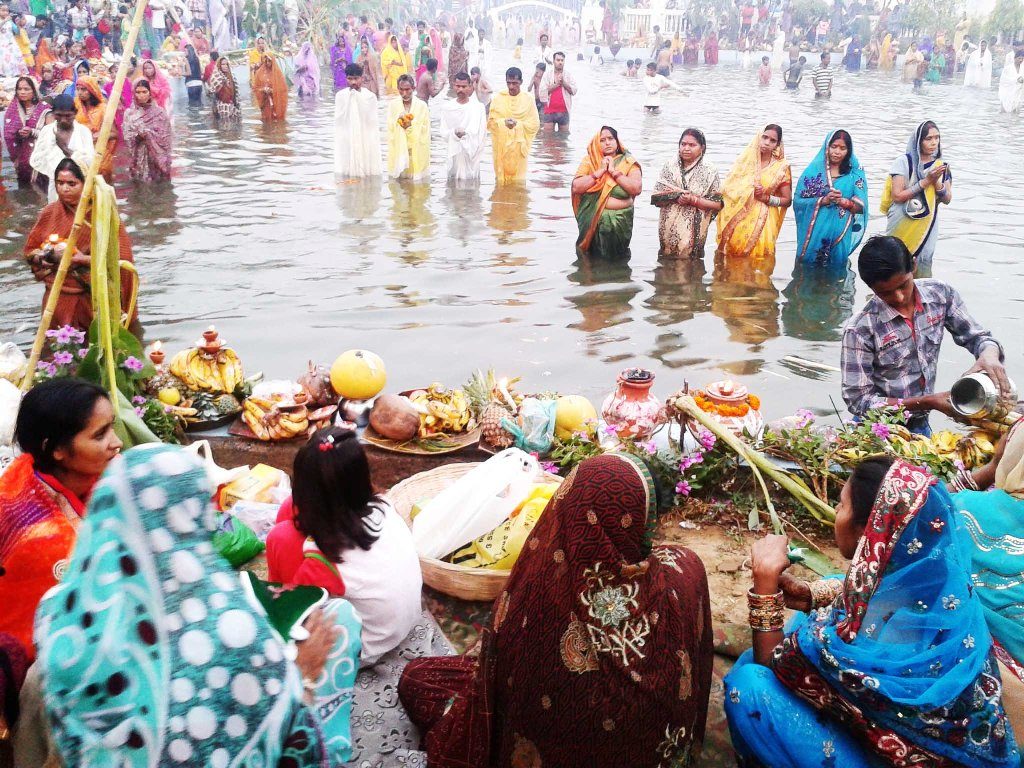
[
  {"x": 818, "y": 302},
  {"x": 743, "y": 295},
  {"x": 254, "y": 234}
]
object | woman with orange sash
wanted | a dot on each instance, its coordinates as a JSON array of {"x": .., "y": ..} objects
[
  {"x": 270, "y": 90},
  {"x": 91, "y": 105},
  {"x": 66, "y": 429},
  {"x": 756, "y": 193},
  {"x": 608, "y": 180}
]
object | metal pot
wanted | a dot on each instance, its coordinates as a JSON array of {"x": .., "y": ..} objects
[{"x": 976, "y": 396}]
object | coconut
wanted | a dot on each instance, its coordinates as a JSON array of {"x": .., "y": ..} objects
[{"x": 395, "y": 418}]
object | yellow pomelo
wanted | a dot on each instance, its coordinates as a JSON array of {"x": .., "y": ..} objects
[
  {"x": 574, "y": 413},
  {"x": 358, "y": 375},
  {"x": 169, "y": 396}
]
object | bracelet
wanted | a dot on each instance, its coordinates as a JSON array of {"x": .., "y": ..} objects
[
  {"x": 774, "y": 201},
  {"x": 824, "y": 592},
  {"x": 767, "y": 612},
  {"x": 916, "y": 188},
  {"x": 309, "y": 685}
]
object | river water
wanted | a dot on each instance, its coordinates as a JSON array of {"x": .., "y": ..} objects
[{"x": 254, "y": 235}]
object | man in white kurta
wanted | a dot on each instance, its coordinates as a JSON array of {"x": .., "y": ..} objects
[
  {"x": 62, "y": 138},
  {"x": 356, "y": 128},
  {"x": 978, "y": 73},
  {"x": 464, "y": 124}
]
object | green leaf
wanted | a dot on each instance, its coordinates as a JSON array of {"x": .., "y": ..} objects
[
  {"x": 127, "y": 342},
  {"x": 89, "y": 367}
]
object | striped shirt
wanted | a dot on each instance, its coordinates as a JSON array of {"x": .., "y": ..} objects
[
  {"x": 886, "y": 356},
  {"x": 822, "y": 78}
]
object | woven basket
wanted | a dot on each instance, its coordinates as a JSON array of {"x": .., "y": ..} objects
[{"x": 456, "y": 580}]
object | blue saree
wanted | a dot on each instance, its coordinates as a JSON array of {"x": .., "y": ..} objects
[
  {"x": 900, "y": 667},
  {"x": 152, "y": 654},
  {"x": 828, "y": 234}
]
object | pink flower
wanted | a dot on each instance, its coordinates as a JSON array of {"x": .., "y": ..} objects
[
  {"x": 649, "y": 446},
  {"x": 804, "y": 417},
  {"x": 83, "y": 352},
  {"x": 133, "y": 364},
  {"x": 706, "y": 438},
  {"x": 610, "y": 429},
  {"x": 63, "y": 358},
  {"x": 550, "y": 467},
  {"x": 138, "y": 400},
  {"x": 689, "y": 461},
  {"x": 139, "y": 412},
  {"x": 881, "y": 430},
  {"x": 683, "y": 488}
]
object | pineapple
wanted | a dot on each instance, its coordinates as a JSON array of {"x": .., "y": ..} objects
[
  {"x": 166, "y": 380},
  {"x": 226, "y": 405},
  {"x": 492, "y": 431}
]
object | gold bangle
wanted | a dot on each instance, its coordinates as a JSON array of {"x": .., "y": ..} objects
[
  {"x": 767, "y": 620},
  {"x": 777, "y": 600}
]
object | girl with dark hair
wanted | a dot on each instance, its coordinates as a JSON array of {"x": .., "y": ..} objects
[
  {"x": 337, "y": 533},
  {"x": 65, "y": 428},
  {"x": 689, "y": 195},
  {"x": 756, "y": 193},
  {"x": 24, "y": 119},
  {"x": 830, "y": 204},
  {"x": 607, "y": 181},
  {"x": 893, "y": 665}
]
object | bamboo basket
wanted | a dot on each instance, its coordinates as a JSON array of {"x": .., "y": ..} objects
[{"x": 459, "y": 581}]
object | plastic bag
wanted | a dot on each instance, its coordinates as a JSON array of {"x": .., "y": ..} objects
[
  {"x": 236, "y": 542},
  {"x": 476, "y": 504},
  {"x": 12, "y": 362},
  {"x": 499, "y": 549},
  {"x": 10, "y": 402},
  {"x": 258, "y": 516},
  {"x": 534, "y": 430},
  {"x": 214, "y": 472}
]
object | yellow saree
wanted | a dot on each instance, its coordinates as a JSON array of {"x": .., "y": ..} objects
[
  {"x": 408, "y": 139},
  {"x": 746, "y": 226},
  {"x": 512, "y": 145},
  {"x": 394, "y": 62}
]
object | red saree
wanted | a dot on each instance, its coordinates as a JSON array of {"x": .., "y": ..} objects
[
  {"x": 599, "y": 651},
  {"x": 38, "y": 525},
  {"x": 74, "y": 307}
]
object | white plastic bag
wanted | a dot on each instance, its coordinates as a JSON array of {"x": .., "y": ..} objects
[
  {"x": 217, "y": 475},
  {"x": 10, "y": 402},
  {"x": 257, "y": 515},
  {"x": 475, "y": 504},
  {"x": 12, "y": 362}
]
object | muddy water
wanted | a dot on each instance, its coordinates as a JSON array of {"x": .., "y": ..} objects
[{"x": 254, "y": 235}]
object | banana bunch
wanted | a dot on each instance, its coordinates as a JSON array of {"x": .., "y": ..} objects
[
  {"x": 442, "y": 411},
  {"x": 973, "y": 450},
  {"x": 203, "y": 372},
  {"x": 274, "y": 421}
]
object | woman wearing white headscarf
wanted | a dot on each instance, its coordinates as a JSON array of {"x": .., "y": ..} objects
[
  {"x": 1011, "y": 82},
  {"x": 978, "y": 73}
]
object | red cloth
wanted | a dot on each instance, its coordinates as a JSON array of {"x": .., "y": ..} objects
[
  {"x": 74, "y": 307},
  {"x": 287, "y": 560},
  {"x": 599, "y": 651},
  {"x": 556, "y": 102},
  {"x": 36, "y": 539}
]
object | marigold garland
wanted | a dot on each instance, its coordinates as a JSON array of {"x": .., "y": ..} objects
[{"x": 727, "y": 410}]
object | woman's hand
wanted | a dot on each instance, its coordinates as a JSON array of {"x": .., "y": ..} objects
[
  {"x": 81, "y": 260},
  {"x": 797, "y": 592},
  {"x": 313, "y": 651},
  {"x": 760, "y": 193},
  {"x": 769, "y": 558}
]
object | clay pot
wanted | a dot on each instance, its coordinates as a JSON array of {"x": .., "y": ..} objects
[{"x": 632, "y": 409}]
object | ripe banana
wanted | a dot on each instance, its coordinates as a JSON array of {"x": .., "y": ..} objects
[
  {"x": 202, "y": 372},
  {"x": 268, "y": 421}
]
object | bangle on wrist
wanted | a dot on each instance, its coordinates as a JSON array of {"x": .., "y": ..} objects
[{"x": 824, "y": 592}]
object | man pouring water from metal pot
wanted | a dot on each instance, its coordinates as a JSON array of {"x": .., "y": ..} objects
[{"x": 890, "y": 351}]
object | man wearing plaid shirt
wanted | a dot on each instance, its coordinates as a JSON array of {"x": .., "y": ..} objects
[{"x": 891, "y": 347}]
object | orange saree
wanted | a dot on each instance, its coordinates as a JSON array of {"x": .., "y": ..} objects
[
  {"x": 38, "y": 525},
  {"x": 270, "y": 90},
  {"x": 91, "y": 116},
  {"x": 74, "y": 307}
]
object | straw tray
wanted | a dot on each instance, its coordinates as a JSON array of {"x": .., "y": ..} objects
[{"x": 454, "y": 580}]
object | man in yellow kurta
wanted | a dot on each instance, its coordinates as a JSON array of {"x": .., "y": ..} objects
[
  {"x": 408, "y": 133},
  {"x": 513, "y": 122}
]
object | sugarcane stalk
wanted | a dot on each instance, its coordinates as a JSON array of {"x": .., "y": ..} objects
[
  {"x": 758, "y": 462},
  {"x": 84, "y": 201}
]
